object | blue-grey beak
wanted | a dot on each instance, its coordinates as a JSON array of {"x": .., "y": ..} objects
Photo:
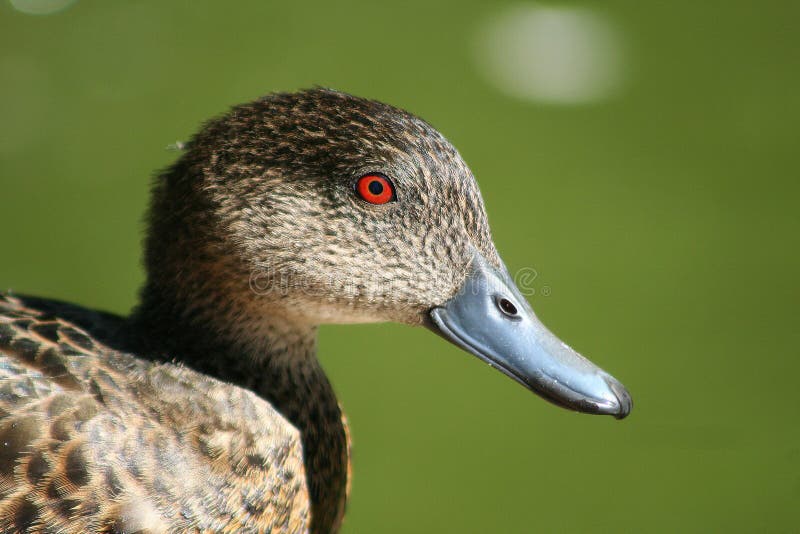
[{"x": 491, "y": 319}]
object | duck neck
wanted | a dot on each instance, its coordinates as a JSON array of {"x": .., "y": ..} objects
[{"x": 278, "y": 361}]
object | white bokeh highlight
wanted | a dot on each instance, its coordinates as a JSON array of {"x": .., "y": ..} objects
[
  {"x": 553, "y": 55},
  {"x": 41, "y": 7}
]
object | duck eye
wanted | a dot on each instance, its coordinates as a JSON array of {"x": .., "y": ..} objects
[{"x": 375, "y": 189}]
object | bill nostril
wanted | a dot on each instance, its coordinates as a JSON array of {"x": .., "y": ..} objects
[{"x": 507, "y": 307}]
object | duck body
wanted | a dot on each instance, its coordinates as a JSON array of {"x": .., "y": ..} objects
[
  {"x": 206, "y": 409},
  {"x": 94, "y": 439}
]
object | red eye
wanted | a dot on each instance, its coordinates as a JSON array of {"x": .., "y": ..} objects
[{"x": 375, "y": 189}]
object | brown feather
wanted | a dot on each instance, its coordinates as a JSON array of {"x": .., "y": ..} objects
[{"x": 207, "y": 409}]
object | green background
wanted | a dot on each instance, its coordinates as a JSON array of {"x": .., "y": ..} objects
[{"x": 664, "y": 221}]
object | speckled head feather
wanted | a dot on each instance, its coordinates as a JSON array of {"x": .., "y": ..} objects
[{"x": 263, "y": 203}]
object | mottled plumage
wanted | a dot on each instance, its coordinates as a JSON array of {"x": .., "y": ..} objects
[
  {"x": 207, "y": 409},
  {"x": 95, "y": 440}
]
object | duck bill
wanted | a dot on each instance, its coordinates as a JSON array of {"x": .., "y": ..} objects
[{"x": 491, "y": 319}]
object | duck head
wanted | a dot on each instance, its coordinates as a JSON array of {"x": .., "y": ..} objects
[{"x": 320, "y": 207}]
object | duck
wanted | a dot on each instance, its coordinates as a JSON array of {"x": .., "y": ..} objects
[{"x": 206, "y": 409}]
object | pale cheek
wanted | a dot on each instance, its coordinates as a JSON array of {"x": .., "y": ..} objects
[{"x": 340, "y": 313}]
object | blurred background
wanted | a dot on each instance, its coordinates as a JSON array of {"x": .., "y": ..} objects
[{"x": 640, "y": 157}]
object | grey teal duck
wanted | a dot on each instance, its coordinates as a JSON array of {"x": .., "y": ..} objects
[{"x": 206, "y": 410}]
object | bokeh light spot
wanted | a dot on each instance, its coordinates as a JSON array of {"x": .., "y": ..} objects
[
  {"x": 557, "y": 55},
  {"x": 41, "y": 7}
]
